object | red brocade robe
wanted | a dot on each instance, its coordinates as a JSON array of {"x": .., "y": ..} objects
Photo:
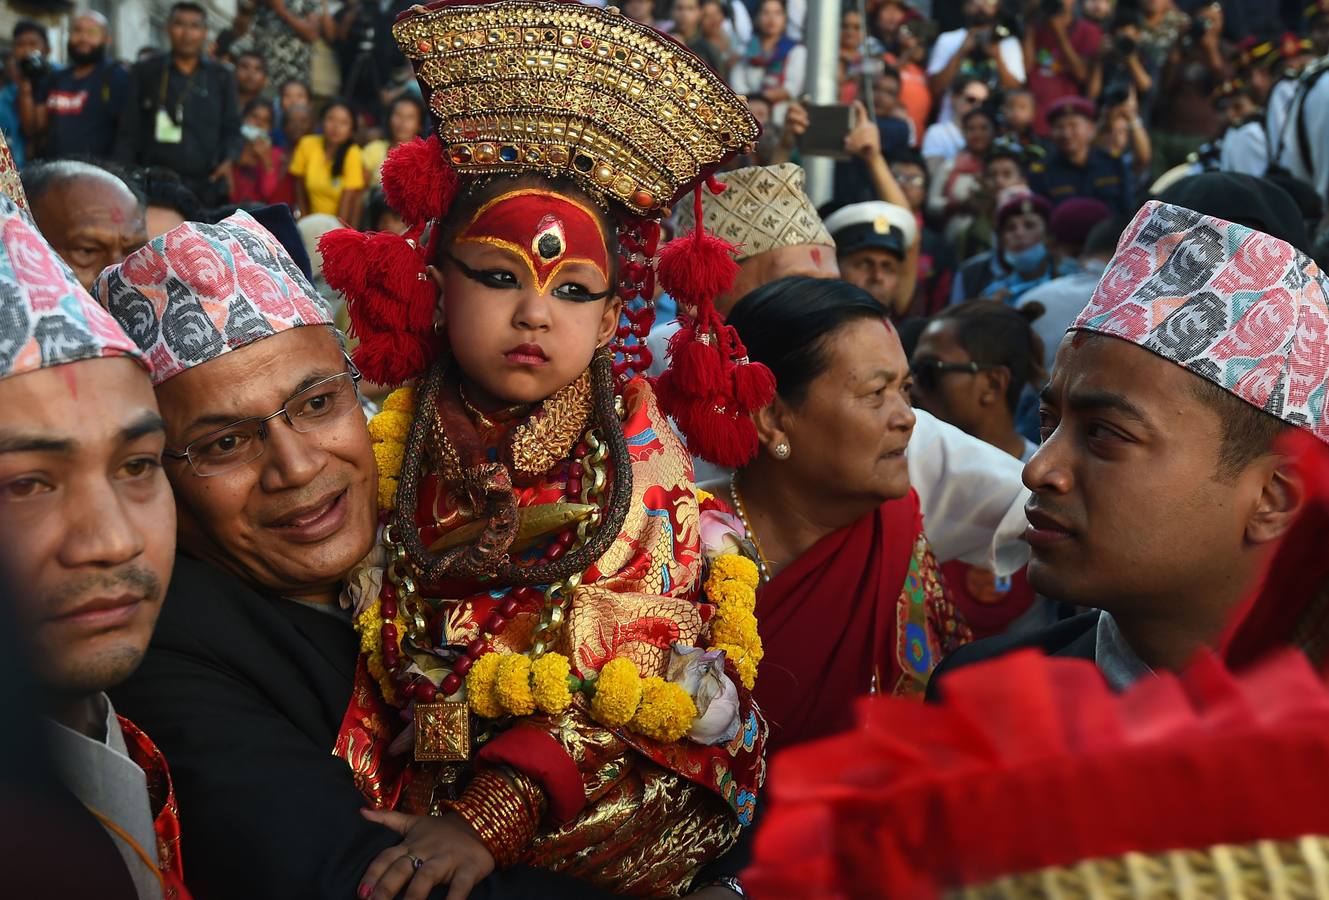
[
  {"x": 628, "y": 813},
  {"x": 863, "y": 610},
  {"x": 165, "y": 814}
]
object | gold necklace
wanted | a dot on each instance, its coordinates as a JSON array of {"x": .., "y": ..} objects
[
  {"x": 482, "y": 419},
  {"x": 763, "y": 566}
]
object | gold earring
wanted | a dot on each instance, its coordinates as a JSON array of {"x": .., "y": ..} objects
[{"x": 782, "y": 450}]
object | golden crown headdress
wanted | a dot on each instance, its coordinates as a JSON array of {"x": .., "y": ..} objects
[{"x": 560, "y": 88}]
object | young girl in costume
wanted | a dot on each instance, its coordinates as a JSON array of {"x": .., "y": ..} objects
[{"x": 574, "y": 664}]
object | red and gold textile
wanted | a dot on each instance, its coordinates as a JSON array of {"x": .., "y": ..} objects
[
  {"x": 634, "y": 814},
  {"x": 165, "y": 814},
  {"x": 366, "y": 730},
  {"x": 863, "y": 610}
]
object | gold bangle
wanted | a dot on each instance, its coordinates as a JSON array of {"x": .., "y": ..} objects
[{"x": 503, "y": 812}]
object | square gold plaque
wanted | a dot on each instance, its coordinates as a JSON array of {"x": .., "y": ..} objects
[{"x": 442, "y": 732}]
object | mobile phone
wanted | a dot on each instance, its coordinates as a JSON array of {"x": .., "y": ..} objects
[{"x": 828, "y": 126}]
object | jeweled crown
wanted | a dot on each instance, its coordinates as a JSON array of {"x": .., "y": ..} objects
[{"x": 560, "y": 88}]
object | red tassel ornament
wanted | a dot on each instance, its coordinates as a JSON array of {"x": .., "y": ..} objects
[
  {"x": 418, "y": 182},
  {"x": 345, "y": 267},
  {"x": 393, "y": 357},
  {"x": 754, "y": 385},
  {"x": 710, "y": 388}
]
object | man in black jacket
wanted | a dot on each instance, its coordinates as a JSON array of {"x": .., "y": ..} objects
[
  {"x": 250, "y": 676},
  {"x": 182, "y": 111},
  {"x": 1159, "y": 491}
]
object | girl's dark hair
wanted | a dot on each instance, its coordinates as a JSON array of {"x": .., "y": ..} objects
[
  {"x": 339, "y": 158},
  {"x": 995, "y": 334},
  {"x": 258, "y": 103},
  {"x": 787, "y": 325},
  {"x": 982, "y": 111},
  {"x": 419, "y": 107}
]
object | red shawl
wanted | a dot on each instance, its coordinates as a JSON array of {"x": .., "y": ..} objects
[{"x": 864, "y": 601}]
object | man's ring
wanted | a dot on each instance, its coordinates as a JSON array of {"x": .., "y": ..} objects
[{"x": 416, "y": 862}]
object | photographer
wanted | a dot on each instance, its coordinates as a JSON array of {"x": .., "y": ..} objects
[
  {"x": 77, "y": 109},
  {"x": 1057, "y": 52},
  {"x": 1119, "y": 61},
  {"x": 985, "y": 49},
  {"x": 31, "y": 63},
  {"x": 1183, "y": 113}
]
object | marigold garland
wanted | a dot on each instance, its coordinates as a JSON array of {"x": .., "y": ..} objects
[
  {"x": 617, "y": 693},
  {"x": 666, "y": 711},
  {"x": 732, "y": 587},
  {"x": 480, "y": 686},
  {"x": 734, "y": 567},
  {"x": 744, "y": 663},
  {"x": 388, "y": 430},
  {"x": 549, "y": 675},
  {"x": 513, "y": 685}
]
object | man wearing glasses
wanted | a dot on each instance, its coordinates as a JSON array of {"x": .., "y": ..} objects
[
  {"x": 250, "y": 675},
  {"x": 944, "y": 139}
]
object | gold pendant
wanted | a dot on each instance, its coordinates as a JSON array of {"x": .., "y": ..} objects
[{"x": 442, "y": 732}]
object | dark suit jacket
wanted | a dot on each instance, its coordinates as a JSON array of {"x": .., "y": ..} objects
[
  {"x": 245, "y": 694},
  {"x": 1076, "y": 637}
]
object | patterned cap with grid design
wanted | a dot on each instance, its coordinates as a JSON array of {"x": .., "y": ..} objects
[{"x": 762, "y": 208}]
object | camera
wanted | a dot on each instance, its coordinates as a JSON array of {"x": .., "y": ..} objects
[
  {"x": 34, "y": 66},
  {"x": 1124, "y": 45}
]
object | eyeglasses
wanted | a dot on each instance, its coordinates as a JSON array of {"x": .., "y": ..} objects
[
  {"x": 242, "y": 442},
  {"x": 911, "y": 180},
  {"x": 972, "y": 99},
  {"x": 927, "y": 372}
]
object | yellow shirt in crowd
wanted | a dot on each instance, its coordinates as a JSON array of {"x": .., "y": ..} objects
[{"x": 312, "y": 166}]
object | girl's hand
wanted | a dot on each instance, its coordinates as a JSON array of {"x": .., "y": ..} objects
[{"x": 433, "y": 851}]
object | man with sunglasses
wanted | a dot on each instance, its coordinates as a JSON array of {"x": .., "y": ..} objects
[
  {"x": 944, "y": 139},
  {"x": 250, "y": 676}
]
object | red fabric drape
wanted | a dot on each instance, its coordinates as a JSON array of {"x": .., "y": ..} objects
[{"x": 828, "y": 618}]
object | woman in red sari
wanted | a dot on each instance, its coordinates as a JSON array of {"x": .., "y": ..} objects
[{"x": 852, "y": 600}]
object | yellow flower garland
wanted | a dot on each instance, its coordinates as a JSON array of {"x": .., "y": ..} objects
[
  {"x": 549, "y": 675},
  {"x": 513, "y": 686},
  {"x": 480, "y": 686},
  {"x": 617, "y": 693},
  {"x": 732, "y": 587},
  {"x": 387, "y": 431},
  {"x": 666, "y": 711}
]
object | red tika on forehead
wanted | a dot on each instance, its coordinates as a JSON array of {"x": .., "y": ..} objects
[{"x": 545, "y": 230}]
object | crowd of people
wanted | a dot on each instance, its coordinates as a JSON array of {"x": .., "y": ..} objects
[{"x": 445, "y": 451}]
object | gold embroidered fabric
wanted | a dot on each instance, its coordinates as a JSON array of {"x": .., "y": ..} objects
[
  {"x": 645, "y": 830},
  {"x": 573, "y": 90}
]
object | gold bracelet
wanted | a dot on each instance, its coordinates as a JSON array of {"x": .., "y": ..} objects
[{"x": 504, "y": 812}]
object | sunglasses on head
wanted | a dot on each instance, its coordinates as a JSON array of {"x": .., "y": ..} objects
[{"x": 928, "y": 372}]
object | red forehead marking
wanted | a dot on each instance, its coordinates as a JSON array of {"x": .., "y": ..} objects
[
  {"x": 545, "y": 230},
  {"x": 816, "y": 256}
]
